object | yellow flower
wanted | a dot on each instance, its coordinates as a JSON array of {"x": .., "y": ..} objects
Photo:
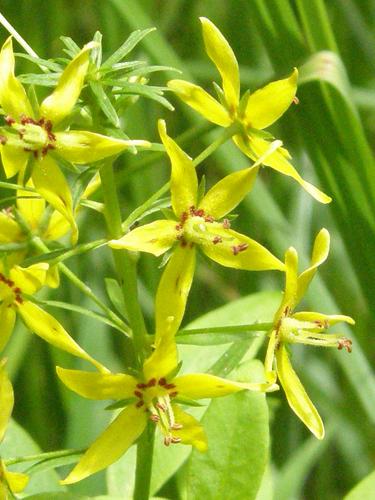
[
  {"x": 302, "y": 328},
  {"x": 40, "y": 222},
  {"x": 36, "y": 136},
  {"x": 253, "y": 113},
  {"x": 15, "y": 287},
  {"x": 154, "y": 395},
  {"x": 10, "y": 482},
  {"x": 196, "y": 224}
]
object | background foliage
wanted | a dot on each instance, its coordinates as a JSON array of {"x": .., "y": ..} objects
[{"x": 331, "y": 136}]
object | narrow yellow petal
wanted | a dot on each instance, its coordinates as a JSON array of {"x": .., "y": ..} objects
[
  {"x": 14, "y": 160},
  {"x": 200, "y": 100},
  {"x": 7, "y": 321},
  {"x": 29, "y": 279},
  {"x": 10, "y": 231},
  {"x": 163, "y": 360},
  {"x": 271, "y": 375},
  {"x": 49, "y": 329},
  {"x": 156, "y": 238},
  {"x": 13, "y": 98},
  {"x": 319, "y": 255},
  {"x": 58, "y": 227},
  {"x": 191, "y": 432},
  {"x": 53, "y": 277},
  {"x": 111, "y": 444},
  {"x": 173, "y": 291},
  {"x": 31, "y": 206},
  {"x": 184, "y": 181},
  {"x": 51, "y": 184},
  {"x": 203, "y": 385},
  {"x": 330, "y": 319},
  {"x": 257, "y": 147},
  {"x": 17, "y": 481},
  {"x": 82, "y": 147},
  {"x": 99, "y": 386},
  {"x": 222, "y": 55},
  {"x": 60, "y": 103},
  {"x": 296, "y": 395},
  {"x": 224, "y": 196},
  {"x": 291, "y": 271},
  {"x": 6, "y": 399},
  {"x": 232, "y": 249},
  {"x": 267, "y": 104}
]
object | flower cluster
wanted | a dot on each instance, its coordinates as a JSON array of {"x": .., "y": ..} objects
[{"x": 36, "y": 140}]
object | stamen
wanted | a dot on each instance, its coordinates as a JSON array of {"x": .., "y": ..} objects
[
  {"x": 140, "y": 403},
  {"x": 151, "y": 382},
  {"x": 295, "y": 100},
  {"x": 175, "y": 440},
  {"x": 226, "y": 224},
  {"x": 170, "y": 386},
  {"x": 162, "y": 381},
  {"x": 176, "y": 426},
  {"x": 345, "y": 344},
  {"x": 167, "y": 440},
  {"x": 141, "y": 386},
  {"x": 217, "y": 239},
  {"x": 138, "y": 394},
  {"x": 154, "y": 418},
  {"x": 239, "y": 248}
]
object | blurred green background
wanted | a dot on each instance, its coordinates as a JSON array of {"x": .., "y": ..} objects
[{"x": 331, "y": 137}]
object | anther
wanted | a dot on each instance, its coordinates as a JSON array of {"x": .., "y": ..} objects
[
  {"x": 154, "y": 418},
  {"x": 9, "y": 120},
  {"x": 160, "y": 406},
  {"x": 173, "y": 394},
  {"x": 345, "y": 344},
  {"x": 139, "y": 404},
  {"x": 141, "y": 386},
  {"x": 217, "y": 239},
  {"x": 3, "y": 139},
  {"x": 226, "y": 224},
  {"x": 176, "y": 426},
  {"x": 167, "y": 440},
  {"x": 170, "y": 386},
  {"x": 162, "y": 381},
  {"x": 138, "y": 394},
  {"x": 175, "y": 440},
  {"x": 151, "y": 382},
  {"x": 239, "y": 248},
  {"x": 295, "y": 100}
]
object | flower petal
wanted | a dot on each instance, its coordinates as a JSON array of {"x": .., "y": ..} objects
[
  {"x": 29, "y": 279},
  {"x": 60, "y": 103},
  {"x": 173, "y": 291},
  {"x": 271, "y": 375},
  {"x": 13, "y": 98},
  {"x": 10, "y": 231},
  {"x": 290, "y": 293},
  {"x": 170, "y": 305},
  {"x": 82, "y": 147},
  {"x": 204, "y": 385},
  {"x": 296, "y": 395},
  {"x": 254, "y": 147},
  {"x": 238, "y": 251},
  {"x": 200, "y": 100},
  {"x": 58, "y": 227},
  {"x": 111, "y": 444},
  {"x": 98, "y": 386},
  {"x": 51, "y": 184},
  {"x": 6, "y": 399},
  {"x": 184, "y": 181},
  {"x": 225, "y": 195},
  {"x": 267, "y": 104},
  {"x": 319, "y": 255},
  {"x": 191, "y": 432},
  {"x": 7, "y": 321},
  {"x": 17, "y": 481},
  {"x": 31, "y": 206},
  {"x": 49, "y": 329},
  {"x": 14, "y": 160},
  {"x": 222, "y": 55},
  {"x": 156, "y": 238},
  {"x": 330, "y": 319}
]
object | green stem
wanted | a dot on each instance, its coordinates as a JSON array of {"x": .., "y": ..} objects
[
  {"x": 255, "y": 327},
  {"x": 86, "y": 290},
  {"x": 139, "y": 211},
  {"x": 42, "y": 456},
  {"x": 124, "y": 263},
  {"x": 145, "y": 450}
]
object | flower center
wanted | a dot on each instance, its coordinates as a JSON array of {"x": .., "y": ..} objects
[
  {"x": 13, "y": 289},
  {"x": 36, "y": 135},
  {"x": 156, "y": 395}
]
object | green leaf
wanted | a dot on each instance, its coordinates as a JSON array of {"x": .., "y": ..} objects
[
  {"x": 364, "y": 489},
  {"x": 105, "y": 103},
  {"x": 71, "y": 46},
  {"x": 238, "y": 437},
  {"x": 154, "y": 93},
  {"x": 115, "y": 295},
  {"x": 126, "y": 47}
]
